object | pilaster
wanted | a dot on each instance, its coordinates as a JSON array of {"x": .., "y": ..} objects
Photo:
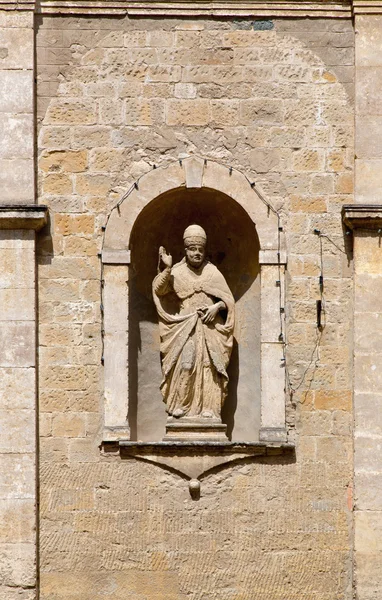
[{"x": 366, "y": 222}]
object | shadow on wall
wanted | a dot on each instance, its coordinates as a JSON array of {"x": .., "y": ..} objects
[{"x": 233, "y": 247}]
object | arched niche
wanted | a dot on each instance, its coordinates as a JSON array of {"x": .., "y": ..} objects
[
  {"x": 246, "y": 244},
  {"x": 233, "y": 247}
]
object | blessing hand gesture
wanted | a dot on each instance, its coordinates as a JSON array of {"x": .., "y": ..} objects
[{"x": 165, "y": 258}]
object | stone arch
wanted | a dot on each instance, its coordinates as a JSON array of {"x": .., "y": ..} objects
[{"x": 192, "y": 174}]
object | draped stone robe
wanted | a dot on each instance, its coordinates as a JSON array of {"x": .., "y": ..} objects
[{"x": 195, "y": 355}]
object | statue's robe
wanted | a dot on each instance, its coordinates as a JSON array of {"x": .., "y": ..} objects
[{"x": 195, "y": 355}]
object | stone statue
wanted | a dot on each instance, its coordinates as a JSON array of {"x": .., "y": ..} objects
[{"x": 196, "y": 341}]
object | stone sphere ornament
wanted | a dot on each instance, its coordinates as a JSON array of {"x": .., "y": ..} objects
[{"x": 194, "y": 488}]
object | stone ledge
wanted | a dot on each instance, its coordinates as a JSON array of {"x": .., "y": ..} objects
[
  {"x": 362, "y": 216},
  {"x": 224, "y": 8},
  {"x": 23, "y": 216},
  {"x": 221, "y": 447},
  {"x": 367, "y": 7},
  {"x": 14, "y": 5}
]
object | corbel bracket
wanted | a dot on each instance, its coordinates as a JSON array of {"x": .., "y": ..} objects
[{"x": 193, "y": 460}]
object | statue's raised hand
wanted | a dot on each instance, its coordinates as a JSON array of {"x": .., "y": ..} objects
[{"x": 165, "y": 258}]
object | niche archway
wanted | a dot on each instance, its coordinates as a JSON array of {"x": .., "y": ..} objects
[{"x": 245, "y": 243}]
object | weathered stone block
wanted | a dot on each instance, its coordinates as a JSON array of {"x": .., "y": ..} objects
[
  {"x": 16, "y": 180},
  {"x": 74, "y": 224},
  {"x": 16, "y": 136},
  {"x": 71, "y": 112},
  {"x": 188, "y": 112},
  {"x": 68, "y": 425},
  {"x": 69, "y": 161},
  {"x": 22, "y": 486},
  {"x": 144, "y": 112},
  {"x": 17, "y": 520},
  {"x": 17, "y": 341},
  {"x": 17, "y": 564},
  {"x": 57, "y": 183},
  {"x": 16, "y": 92}
]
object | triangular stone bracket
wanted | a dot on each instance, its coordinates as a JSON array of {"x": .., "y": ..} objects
[{"x": 194, "y": 459}]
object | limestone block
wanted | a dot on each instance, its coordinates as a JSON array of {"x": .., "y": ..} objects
[
  {"x": 188, "y": 112},
  {"x": 17, "y": 238},
  {"x": 69, "y": 161},
  {"x": 17, "y": 305},
  {"x": 89, "y": 137},
  {"x": 17, "y": 341},
  {"x": 16, "y": 92},
  {"x": 333, "y": 400},
  {"x": 368, "y": 572},
  {"x": 272, "y": 297},
  {"x": 368, "y": 301},
  {"x": 369, "y": 41},
  {"x": 185, "y": 90},
  {"x": 260, "y": 111},
  {"x": 116, "y": 379},
  {"x": 368, "y": 413},
  {"x": 93, "y": 184},
  {"x": 107, "y": 160},
  {"x": 71, "y": 268},
  {"x": 116, "y": 298},
  {"x": 65, "y": 224},
  {"x": 16, "y": 136},
  {"x": 54, "y": 450},
  {"x": 368, "y": 532},
  {"x": 272, "y": 386},
  {"x": 143, "y": 112},
  {"x": 16, "y": 47},
  {"x": 17, "y": 564},
  {"x": 225, "y": 112},
  {"x": 17, "y": 429},
  {"x": 83, "y": 451},
  {"x": 68, "y": 425},
  {"x": 10, "y": 19},
  {"x": 16, "y": 180},
  {"x": 134, "y": 39},
  {"x": 368, "y": 178},
  {"x": 22, "y": 486},
  {"x": 68, "y": 377},
  {"x": 71, "y": 112},
  {"x": 368, "y": 491},
  {"x": 194, "y": 168},
  {"x": 164, "y": 73},
  {"x": 368, "y": 140},
  {"x": 367, "y": 453},
  {"x": 17, "y": 520},
  {"x": 369, "y": 88},
  {"x": 111, "y": 111},
  {"x": 17, "y": 389},
  {"x": 18, "y": 266}
]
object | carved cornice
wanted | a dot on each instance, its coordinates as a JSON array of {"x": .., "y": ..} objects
[
  {"x": 29, "y": 5},
  {"x": 223, "y": 8},
  {"x": 196, "y": 8},
  {"x": 29, "y": 216},
  {"x": 362, "y": 216},
  {"x": 367, "y": 7}
]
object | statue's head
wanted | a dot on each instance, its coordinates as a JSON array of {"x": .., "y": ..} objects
[{"x": 195, "y": 240}]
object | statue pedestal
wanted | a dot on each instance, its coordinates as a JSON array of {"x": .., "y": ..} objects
[{"x": 192, "y": 429}]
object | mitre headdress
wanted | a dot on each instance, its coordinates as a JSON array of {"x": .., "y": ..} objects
[{"x": 194, "y": 234}]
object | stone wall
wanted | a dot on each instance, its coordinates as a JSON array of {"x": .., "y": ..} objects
[
  {"x": 16, "y": 107},
  {"x": 115, "y": 98}
]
